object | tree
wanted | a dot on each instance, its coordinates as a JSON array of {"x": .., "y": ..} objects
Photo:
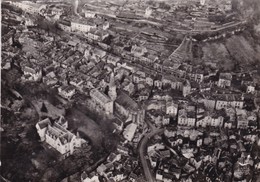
[{"x": 44, "y": 108}]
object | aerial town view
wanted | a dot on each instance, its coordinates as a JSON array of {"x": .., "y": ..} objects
[{"x": 130, "y": 90}]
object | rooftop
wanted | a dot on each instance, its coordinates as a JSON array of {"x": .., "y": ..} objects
[
  {"x": 100, "y": 96},
  {"x": 126, "y": 101}
]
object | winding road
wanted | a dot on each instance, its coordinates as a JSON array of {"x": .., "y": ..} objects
[{"x": 142, "y": 151}]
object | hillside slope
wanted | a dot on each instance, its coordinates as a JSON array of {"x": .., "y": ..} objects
[{"x": 238, "y": 49}]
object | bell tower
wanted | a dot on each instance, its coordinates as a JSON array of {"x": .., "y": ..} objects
[{"x": 112, "y": 87}]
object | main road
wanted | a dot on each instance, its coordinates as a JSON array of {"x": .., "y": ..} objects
[{"x": 142, "y": 151}]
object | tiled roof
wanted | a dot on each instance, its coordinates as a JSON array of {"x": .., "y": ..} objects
[
  {"x": 127, "y": 102},
  {"x": 44, "y": 123}
]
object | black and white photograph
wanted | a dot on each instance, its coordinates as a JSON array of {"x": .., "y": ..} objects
[{"x": 130, "y": 91}]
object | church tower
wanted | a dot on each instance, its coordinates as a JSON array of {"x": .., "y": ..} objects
[{"x": 112, "y": 87}]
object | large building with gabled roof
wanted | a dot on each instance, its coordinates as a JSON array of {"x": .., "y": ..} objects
[{"x": 57, "y": 136}]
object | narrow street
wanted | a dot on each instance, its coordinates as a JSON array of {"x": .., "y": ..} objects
[{"x": 142, "y": 151}]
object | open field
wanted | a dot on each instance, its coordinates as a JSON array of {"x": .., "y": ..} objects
[
  {"x": 53, "y": 111},
  {"x": 85, "y": 125}
]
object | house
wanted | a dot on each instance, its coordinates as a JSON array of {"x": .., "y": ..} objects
[
  {"x": 50, "y": 79},
  {"x": 196, "y": 75},
  {"x": 231, "y": 122},
  {"x": 153, "y": 161},
  {"x": 6, "y": 63},
  {"x": 170, "y": 133},
  {"x": 205, "y": 87},
  {"x": 130, "y": 131},
  {"x": 66, "y": 91},
  {"x": 186, "y": 89},
  {"x": 195, "y": 86},
  {"x": 224, "y": 80},
  {"x": 118, "y": 176},
  {"x": 97, "y": 35},
  {"x": 164, "y": 154},
  {"x": 32, "y": 72},
  {"x": 171, "y": 108},
  {"x": 148, "y": 59},
  {"x": 41, "y": 127},
  {"x": 246, "y": 119},
  {"x": 102, "y": 169},
  {"x": 89, "y": 178},
  {"x": 112, "y": 59},
  {"x": 83, "y": 26},
  {"x": 113, "y": 157},
  {"x": 242, "y": 122},
  {"x": 199, "y": 142},
  {"x": 228, "y": 6},
  {"x": 123, "y": 150},
  {"x": 162, "y": 96},
  {"x": 186, "y": 117},
  {"x": 64, "y": 25},
  {"x": 105, "y": 25},
  {"x": 138, "y": 51},
  {"x": 57, "y": 11},
  {"x": 246, "y": 79},
  {"x": 148, "y": 12},
  {"x": 143, "y": 94},
  {"x": 8, "y": 39},
  {"x": 29, "y": 7},
  {"x": 158, "y": 65},
  {"x": 159, "y": 175},
  {"x": 149, "y": 80},
  {"x": 174, "y": 82},
  {"x": 209, "y": 101},
  {"x": 76, "y": 81},
  {"x": 242, "y": 168},
  {"x": 133, "y": 177},
  {"x": 129, "y": 88},
  {"x": 139, "y": 76},
  {"x": 59, "y": 137},
  {"x": 29, "y": 22},
  {"x": 158, "y": 82},
  {"x": 229, "y": 100},
  {"x": 154, "y": 104},
  {"x": 210, "y": 119},
  {"x": 73, "y": 44},
  {"x": 102, "y": 101},
  {"x": 159, "y": 117},
  {"x": 250, "y": 89},
  {"x": 89, "y": 14},
  {"x": 118, "y": 124},
  {"x": 252, "y": 120},
  {"x": 175, "y": 140},
  {"x": 99, "y": 53}
]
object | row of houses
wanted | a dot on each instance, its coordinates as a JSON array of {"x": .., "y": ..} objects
[
  {"x": 230, "y": 118},
  {"x": 28, "y": 6},
  {"x": 90, "y": 29}
]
